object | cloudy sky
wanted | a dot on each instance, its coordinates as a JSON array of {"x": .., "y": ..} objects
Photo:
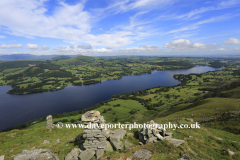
[{"x": 120, "y": 27}]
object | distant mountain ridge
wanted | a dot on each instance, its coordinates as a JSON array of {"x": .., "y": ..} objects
[{"x": 14, "y": 57}]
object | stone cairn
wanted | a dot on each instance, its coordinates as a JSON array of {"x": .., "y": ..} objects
[
  {"x": 95, "y": 138},
  {"x": 49, "y": 124},
  {"x": 149, "y": 135}
]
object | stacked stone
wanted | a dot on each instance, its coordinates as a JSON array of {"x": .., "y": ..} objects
[
  {"x": 95, "y": 137},
  {"x": 149, "y": 135},
  {"x": 49, "y": 124}
]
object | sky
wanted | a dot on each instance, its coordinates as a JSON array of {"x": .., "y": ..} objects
[{"x": 120, "y": 27}]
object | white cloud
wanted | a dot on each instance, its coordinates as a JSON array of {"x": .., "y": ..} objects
[
  {"x": 4, "y": 46},
  {"x": 63, "y": 49},
  {"x": 232, "y": 41},
  {"x": 2, "y": 36},
  {"x": 141, "y": 50},
  {"x": 44, "y": 48},
  {"x": 219, "y": 6},
  {"x": 72, "y": 23},
  {"x": 82, "y": 46},
  {"x": 32, "y": 46},
  {"x": 29, "y": 19},
  {"x": 71, "y": 46},
  {"x": 185, "y": 44}
]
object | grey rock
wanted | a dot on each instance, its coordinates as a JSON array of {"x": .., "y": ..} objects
[
  {"x": 117, "y": 134},
  {"x": 150, "y": 140},
  {"x": 116, "y": 145},
  {"x": 126, "y": 147},
  {"x": 99, "y": 153},
  {"x": 120, "y": 158},
  {"x": 87, "y": 154},
  {"x": 109, "y": 146},
  {"x": 167, "y": 138},
  {"x": 143, "y": 154},
  {"x": 176, "y": 142},
  {"x": 36, "y": 154},
  {"x": 2, "y": 157},
  {"x": 73, "y": 155}
]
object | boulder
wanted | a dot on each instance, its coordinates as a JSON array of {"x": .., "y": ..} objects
[
  {"x": 117, "y": 134},
  {"x": 93, "y": 116},
  {"x": 116, "y": 145},
  {"x": 87, "y": 154},
  {"x": 176, "y": 142},
  {"x": 73, "y": 155},
  {"x": 109, "y": 146},
  {"x": 36, "y": 154},
  {"x": 2, "y": 157},
  {"x": 99, "y": 153},
  {"x": 151, "y": 140},
  {"x": 143, "y": 154}
]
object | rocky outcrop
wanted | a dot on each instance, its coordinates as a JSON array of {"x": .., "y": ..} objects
[
  {"x": 149, "y": 135},
  {"x": 36, "y": 154},
  {"x": 73, "y": 155},
  {"x": 87, "y": 154},
  {"x": 117, "y": 134},
  {"x": 109, "y": 146},
  {"x": 143, "y": 154}
]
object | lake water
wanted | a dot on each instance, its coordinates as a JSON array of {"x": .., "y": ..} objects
[{"x": 18, "y": 109}]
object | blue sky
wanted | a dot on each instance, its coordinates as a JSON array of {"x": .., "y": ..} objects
[{"x": 120, "y": 27}]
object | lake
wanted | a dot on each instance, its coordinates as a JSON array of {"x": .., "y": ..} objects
[{"x": 18, "y": 109}]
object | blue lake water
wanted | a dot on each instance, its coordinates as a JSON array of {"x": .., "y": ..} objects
[{"x": 18, "y": 109}]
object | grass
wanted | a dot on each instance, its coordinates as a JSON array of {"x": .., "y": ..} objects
[{"x": 18, "y": 140}]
